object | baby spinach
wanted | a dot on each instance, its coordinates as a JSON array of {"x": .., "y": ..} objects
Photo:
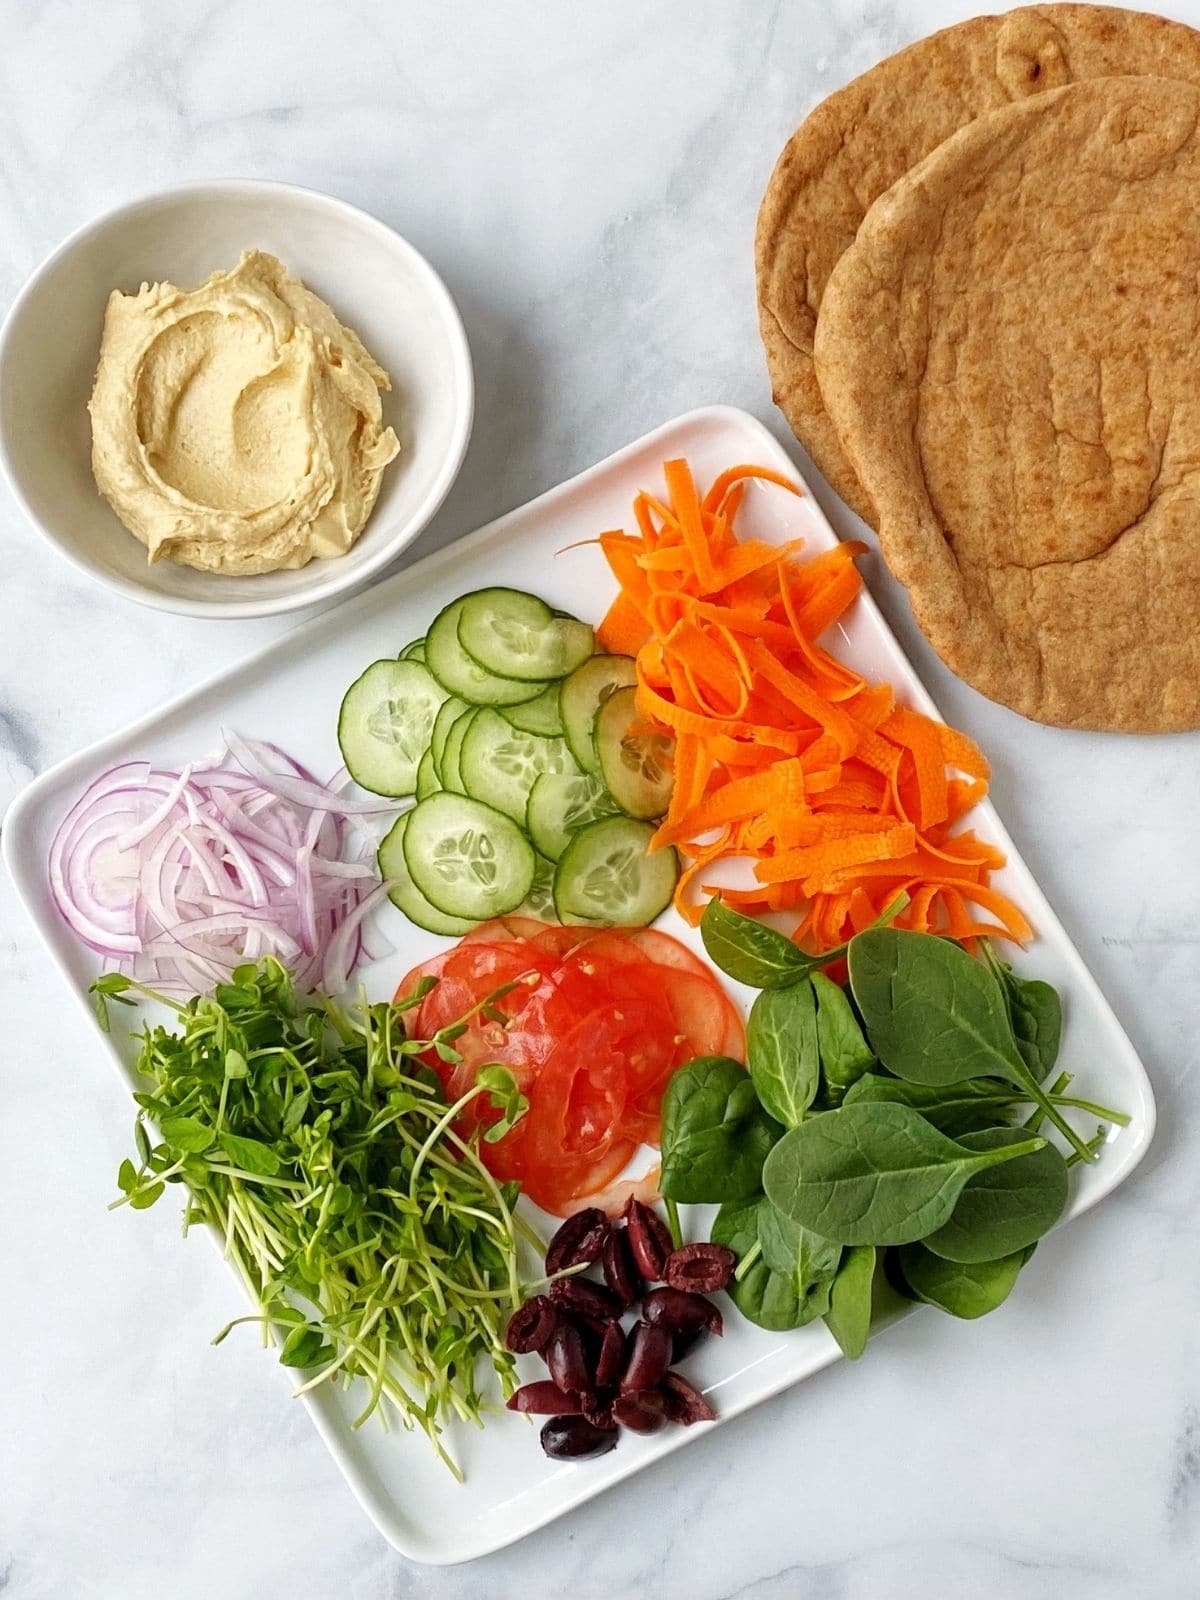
[
  {"x": 1005, "y": 1208},
  {"x": 849, "y": 1316},
  {"x": 715, "y": 1134},
  {"x": 870, "y": 1143},
  {"x": 769, "y": 1299},
  {"x": 874, "y": 1174},
  {"x": 792, "y": 1250},
  {"x": 955, "y": 1109},
  {"x": 756, "y": 955},
  {"x": 781, "y": 1051},
  {"x": 845, "y": 1054},
  {"x": 975, "y": 1104},
  {"x": 1034, "y": 1014},
  {"x": 935, "y": 1015},
  {"x": 963, "y": 1289},
  {"x": 749, "y": 951}
]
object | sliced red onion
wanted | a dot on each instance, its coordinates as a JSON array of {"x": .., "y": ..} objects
[
  {"x": 303, "y": 791},
  {"x": 159, "y": 815},
  {"x": 340, "y": 954},
  {"x": 178, "y": 876}
]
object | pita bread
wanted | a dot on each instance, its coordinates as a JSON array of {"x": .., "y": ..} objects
[
  {"x": 859, "y": 141},
  {"x": 1010, "y": 351}
]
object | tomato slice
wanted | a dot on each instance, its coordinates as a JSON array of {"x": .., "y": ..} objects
[
  {"x": 464, "y": 978},
  {"x": 666, "y": 951},
  {"x": 548, "y": 938},
  {"x": 573, "y": 1139},
  {"x": 704, "y": 1014},
  {"x": 559, "y": 1194},
  {"x": 599, "y": 1021},
  {"x": 503, "y": 928}
]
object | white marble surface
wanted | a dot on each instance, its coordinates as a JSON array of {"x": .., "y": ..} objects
[{"x": 586, "y": 179}]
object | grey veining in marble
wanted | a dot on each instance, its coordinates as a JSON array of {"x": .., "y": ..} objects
[{"x": 586, "y": 179}]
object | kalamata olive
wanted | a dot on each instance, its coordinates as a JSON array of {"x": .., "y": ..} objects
[
  {"x": 620, "y": 1274},
  {"x": 647, "y": 1357},
  {"x": 564, "y": 1356},
  {"x": 530, "y": 1325},
  {"x": 681, "y": 1311},
  {"x": 643, "y": 1410},
  {"x": 585, "y": 1299},
  {"x": 579, "y": 1239},
  {"x": 592, "y": 1334},
  {"x": 649, "y": 1239},
  {"x": 611, "y": 1356},
  {"x": 574, "y": 1438},
  {"x": 684, "y": 1401},
  {"x": 682, "y": 1344},
  {"x": 545, "y": 1399},
  {"x": 597, "y": 1408},
  {"x": 702, "y": 1267}
]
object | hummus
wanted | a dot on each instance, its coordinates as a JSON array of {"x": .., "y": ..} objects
[{"x": 237, "y": 427}]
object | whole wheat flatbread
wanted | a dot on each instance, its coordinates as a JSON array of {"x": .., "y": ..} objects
[
  {"x": 1011, "y": 353},
  {"x": 859, "y": 141}
]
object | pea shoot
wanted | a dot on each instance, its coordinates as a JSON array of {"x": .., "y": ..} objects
[{"x": 328, "y": 1160}]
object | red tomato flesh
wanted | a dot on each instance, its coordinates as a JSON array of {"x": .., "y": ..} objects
[{"x": 597, "y": 1021}]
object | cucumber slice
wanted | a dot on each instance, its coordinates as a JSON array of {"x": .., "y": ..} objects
[
  {"x": 539, "y": 902},
  {"x": 516, "y": 635},
  {"x": 537, "y": 716},
  {"x": 581, "y": 697},
  {"x": 636, "y": 765},
  {"x": 428, "y": 781},
  {"x": 605, "y": 874},
  {"x": 414, "y": 651},
  {"x": 562, "y": 803},
  {"x": 404, "y": 893},
  {"x": 449, "y": 769},
  {"x": 467, "y": 859},
  {"x": 499, "y": 764},
  {"x": 458, "y": 674},
  {"x": 447, "y": 716},
  {"x": 385, "y": 722}
]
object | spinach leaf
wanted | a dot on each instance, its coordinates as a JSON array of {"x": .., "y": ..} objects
[
  {"x": 935, "y": 1015},
  {"x": 715, "y": 1135},
  {"x": 781, "y": 1051},
  {"x": 750, "y": 951},
  {"x": 849, "y": 1316},
  {"x": 956, "y": 1109},
  {"x": 769, "y": 1299},
  {"x": 845, "y": 1054},
  {"x": 1035, "y": 1015},
  {"x": 874, "y": 1174},
  {"x": 963, "y": 1289},
  {"x": 793, "y": 1251},
  {"x": 1006, "y": 1208}
]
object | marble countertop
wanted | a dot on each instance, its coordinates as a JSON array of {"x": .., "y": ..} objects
[{"x": 586, "y": 180}]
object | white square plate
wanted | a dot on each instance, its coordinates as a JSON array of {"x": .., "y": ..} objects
[{"x": 290, "y": 692}]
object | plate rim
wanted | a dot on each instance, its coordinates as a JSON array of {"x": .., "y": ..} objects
[{"x": 22, "y": 872}]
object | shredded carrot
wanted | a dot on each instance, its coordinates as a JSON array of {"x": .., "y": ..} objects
[{"x": 841, "y": 797}]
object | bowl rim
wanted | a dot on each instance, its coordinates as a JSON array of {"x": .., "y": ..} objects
[{"x": 336, "y": 583}]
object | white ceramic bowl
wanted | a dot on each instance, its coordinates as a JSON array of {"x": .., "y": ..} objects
[{"x": 376, "y": 283}]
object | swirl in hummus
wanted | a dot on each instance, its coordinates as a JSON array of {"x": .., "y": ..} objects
[{"x": 237, "y": 427}]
